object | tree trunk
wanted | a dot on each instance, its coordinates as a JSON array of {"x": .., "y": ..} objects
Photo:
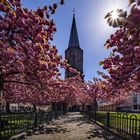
[
  {"x": 83, "y": 107},
  {"x": 7, "y": 107},
  {"x": 34, "y": 108}
]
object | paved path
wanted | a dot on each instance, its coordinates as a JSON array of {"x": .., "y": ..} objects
[{"x": 73, "y": 127}]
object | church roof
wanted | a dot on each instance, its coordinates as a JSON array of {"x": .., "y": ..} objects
[{"x": 74, "y": 40}]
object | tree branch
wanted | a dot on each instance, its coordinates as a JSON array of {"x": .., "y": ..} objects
[
  {"x": 12, "y": 81},
  {"x": 12, "y": 72}
]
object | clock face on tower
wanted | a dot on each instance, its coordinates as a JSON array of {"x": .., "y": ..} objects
[{"x": 74, "y": 54}]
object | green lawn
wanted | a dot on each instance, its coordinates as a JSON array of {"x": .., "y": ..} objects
[
  {"x": 102, "y": 115},
  {"x": 16, "y": 123},
  {"x": 15, "y": 126},
  {"x": 121, "y": 121}
]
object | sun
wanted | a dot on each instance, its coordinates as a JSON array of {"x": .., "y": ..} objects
[{"x": 114, "y": 14}]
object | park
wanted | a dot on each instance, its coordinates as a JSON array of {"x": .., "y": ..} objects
[{"x": 69, "y": 70}]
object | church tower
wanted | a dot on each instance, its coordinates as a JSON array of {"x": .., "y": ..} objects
[{"x": 74, "y": 54}]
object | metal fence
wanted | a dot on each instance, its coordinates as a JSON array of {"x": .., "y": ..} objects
[
  {"x": 128, "y": 125},
  {"x": 15, "y": 123}
]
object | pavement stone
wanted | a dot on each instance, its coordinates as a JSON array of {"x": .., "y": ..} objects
[{"x": 73, "y": 126}]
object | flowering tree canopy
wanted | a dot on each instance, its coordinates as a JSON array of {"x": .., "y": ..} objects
[
  {"x": 123, "y": 64},
  {"x": 29, "y": 64},
  {"x": 28, "y": 59}
]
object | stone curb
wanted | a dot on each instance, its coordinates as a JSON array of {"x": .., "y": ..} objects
[
  {"x": 19, "y": 136},
  {"x": 22, "y": 135}
]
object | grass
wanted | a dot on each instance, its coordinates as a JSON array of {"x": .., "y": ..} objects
[
  {"x": 16, "y": 123},
  {"x": 123, "y": 122},
  {"x": 102, "y": 115},
  {"x": 15, "y": 126}
]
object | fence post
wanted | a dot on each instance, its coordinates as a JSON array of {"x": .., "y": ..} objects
[
  {"x": 7, "y": 107},
  {"x": 95, "y": 115},
  {"x": 35, "y": 111},
  {"x": 108, "y": 119}
]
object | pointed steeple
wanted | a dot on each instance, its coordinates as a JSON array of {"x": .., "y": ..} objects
[
  {"x": 74, "y": 54},
  {"x": 74, "y": 40}
]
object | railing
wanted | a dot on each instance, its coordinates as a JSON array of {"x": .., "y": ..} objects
[
  {"x": 15, "y": 123},
  {"x": 128, "y": 125}
]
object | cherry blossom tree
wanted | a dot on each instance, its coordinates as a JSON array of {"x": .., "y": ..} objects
[
  {"x": 123, "y": 63},
  {"x": 29, "y": 65},
  {"x": 28, "y": 59}
]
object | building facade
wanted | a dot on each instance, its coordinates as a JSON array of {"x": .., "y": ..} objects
[
  {"x": 135, "y": 101},
  {"x": 130, "y": 105}
]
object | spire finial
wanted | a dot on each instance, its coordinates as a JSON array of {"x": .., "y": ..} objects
[
  {"x": 73, "y": 11},
  {"x": 74, "y": 41}
]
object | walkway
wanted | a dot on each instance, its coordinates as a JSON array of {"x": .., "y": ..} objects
[{"x": 73, "y": 127}]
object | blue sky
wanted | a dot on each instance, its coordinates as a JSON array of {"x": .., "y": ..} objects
[{"x": 92, "y": 28}]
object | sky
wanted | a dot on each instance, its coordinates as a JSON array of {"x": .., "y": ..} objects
[{"x": 93, "y": 30}]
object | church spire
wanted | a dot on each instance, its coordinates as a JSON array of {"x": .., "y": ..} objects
[
  {"x": 74, "y": 54},
  {"x": 74, "y": 40}
]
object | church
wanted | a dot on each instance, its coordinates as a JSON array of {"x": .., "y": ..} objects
[{"x": 74, "y": 54}]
